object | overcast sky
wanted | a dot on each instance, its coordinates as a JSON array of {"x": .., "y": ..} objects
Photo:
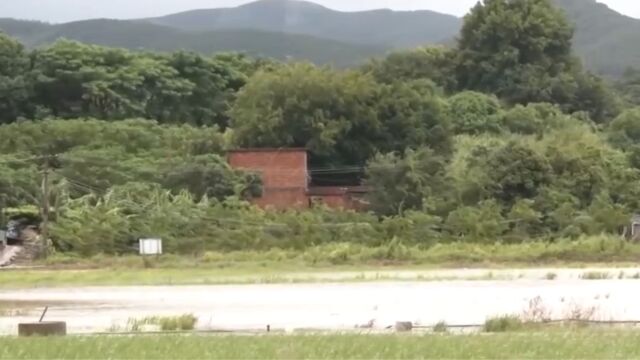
[{"x": 70, "y": 10}]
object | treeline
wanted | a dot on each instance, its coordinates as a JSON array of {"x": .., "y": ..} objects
[{"x": 503, "y": 137}]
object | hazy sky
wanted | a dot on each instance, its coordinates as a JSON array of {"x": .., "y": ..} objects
[{"x": 70, "y": 10}]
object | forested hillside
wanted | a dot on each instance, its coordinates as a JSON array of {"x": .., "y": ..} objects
[
  {"x": 498, "y": 139},
  {"x": 394, "y": 29},
  {"x": 146, "y": 36},
  {"x": 606, "y": 41}
]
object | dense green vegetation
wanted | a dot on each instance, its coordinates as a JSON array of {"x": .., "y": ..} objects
[
  {"x": 561, "y": 344},
  {"x": 138, "y": 35},
  {"x": 285, "y": 29},
  {"x": 504, "y": 138}
]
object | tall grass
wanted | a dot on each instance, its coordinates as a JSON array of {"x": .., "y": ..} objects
[
  {"x": 503, "y": 324},
  {"x": 165, "y": 323},
  {"x": 600, "y": 249},
  {"x": 575, "y": 344}
]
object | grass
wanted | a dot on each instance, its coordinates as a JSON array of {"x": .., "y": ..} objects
[
  {"x": 503, "y": 324},
  {"x": 595, "y": 275},
  {"x": 290, "y": 266},
  {"x": 577, "y": 344},
  {"x": 597, "y": 249},
  {"x": 165, "y": 323},
  {"x": 441, "y": 327}
]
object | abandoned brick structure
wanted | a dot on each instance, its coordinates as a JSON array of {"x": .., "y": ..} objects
[{"x": 286, "y": 181}]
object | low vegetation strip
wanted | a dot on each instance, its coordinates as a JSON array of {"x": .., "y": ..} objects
[{"x": 585, "y": 344}]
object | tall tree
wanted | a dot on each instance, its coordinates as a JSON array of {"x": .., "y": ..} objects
[
  {"x": 512, "y": 47},
  {"x": 520, "y": 50},
  {"x": 431, "y": 63},
  {"x": 14, "y": 82}
]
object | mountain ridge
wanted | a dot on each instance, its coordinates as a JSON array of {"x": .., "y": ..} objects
[{"x": 607, "y": 41}]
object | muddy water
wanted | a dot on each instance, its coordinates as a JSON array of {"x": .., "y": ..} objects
[{"x": 326, "y": 306}]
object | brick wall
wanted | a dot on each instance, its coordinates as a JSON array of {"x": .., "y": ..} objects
[{"x": 284, "y": 175}]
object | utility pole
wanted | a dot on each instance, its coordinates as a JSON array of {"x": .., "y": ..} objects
[{"x": 44, "y": 231}]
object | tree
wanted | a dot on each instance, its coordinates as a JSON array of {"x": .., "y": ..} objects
[
  {"x": 210, "y": 176},
  {"x": 405, "y": 183},
  {"x": 517, "y": 172},
  {"x": 412, "y": 115},
  {"x": 584, "y": 164},
  {"x": 526, "y": 221},
  {"x": 215, "y": 85},
  {"x": 329, "y": 112},
  {"x": 482, "y": 223},
  {"x": 342, "y": 117},
  {"x": 629, "y": 86},
  {"x": 507, "y": 46},
  {"x": 474, "y": 113},
  {"x": 533, "y": 119},
  {"x": 520, "y": 50},
  {"x": 428, "y": 63},
  {"x": 624, "y": 130},
  {"x": 15, "y": 89},
  {"x": 75, "y": 80}
]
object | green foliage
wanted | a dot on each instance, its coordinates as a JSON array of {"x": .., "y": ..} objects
[
  {"x": 521, "y": 51},
  {"x": 15, "y": 87},
  {"x": 503, "y": 324},
  {"x": 506, "y": 47},
  {"x": 405, "y": 183},
  {"x": 441, "y": 327},
  {"x": 523, "y": 153},
  {"x": 474, "y": 113},
  {"x": 629, "y": 86},
  {"x": 624, "y": 130},
  {"x": 429, "y": 63},
  {"x": 93, "y": 156},
  {"x": 75, "y": 80},
  {"x": 183, "y": 322},
  {"x": 479, "y": 223},
  {"x": 341, "y": 117},
  {"x": 533, "y": 119},
  {"x": 516, "y": 171}
]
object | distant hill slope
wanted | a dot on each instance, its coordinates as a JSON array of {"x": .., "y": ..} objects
[
  {"x": 608, "y": 41},
  {"x": 399, "y": 29},
  {"x": 146, "y": 36}
]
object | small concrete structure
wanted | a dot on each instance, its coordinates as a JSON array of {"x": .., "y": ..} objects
[{"x": 47, "y": 328}]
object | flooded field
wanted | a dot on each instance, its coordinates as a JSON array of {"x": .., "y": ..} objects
[{"x": 322, "y": 306}]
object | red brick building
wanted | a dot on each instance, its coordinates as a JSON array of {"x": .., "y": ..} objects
[{"x": 286, "y": 181}]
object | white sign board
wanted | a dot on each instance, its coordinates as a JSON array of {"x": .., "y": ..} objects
[{"x": 150, "y": 246}]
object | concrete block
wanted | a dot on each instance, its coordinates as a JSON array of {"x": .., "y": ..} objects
[{"x": 46, "y": 328}]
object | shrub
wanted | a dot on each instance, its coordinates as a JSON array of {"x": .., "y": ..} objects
[
  {"x": 441, "y": 327},
  {"x": 503, "y": 324}
]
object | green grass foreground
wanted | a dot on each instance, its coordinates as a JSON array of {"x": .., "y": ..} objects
[
  {"x": 585, "y": 344},
  {"x": 322, "y": 263}
]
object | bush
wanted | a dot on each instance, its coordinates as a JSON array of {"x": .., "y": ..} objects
[
  {"x": 503, "y": 324},
  {"x": 183, "y": 322}
]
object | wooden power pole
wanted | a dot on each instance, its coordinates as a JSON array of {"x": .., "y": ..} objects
[{"x": 44, "y": 231}]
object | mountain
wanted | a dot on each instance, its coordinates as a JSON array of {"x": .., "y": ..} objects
[
  {"x": 146, "y": 36},
  {"x": 398, "y": 29},
  {"x": 608, "y": 41}
]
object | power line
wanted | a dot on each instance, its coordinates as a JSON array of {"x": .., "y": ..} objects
[{"x": 25, "y": 160}]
